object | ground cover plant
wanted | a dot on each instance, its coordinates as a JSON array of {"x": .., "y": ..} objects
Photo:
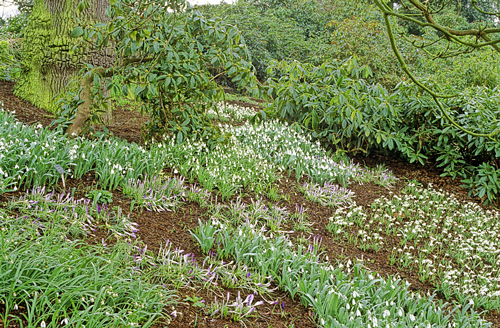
[
  {"x": 328, "y": 194},
  {"x": 452, "y": 244},
  {"x": 339, "y": 295},
  {"x": 56, "y": 278},
  {"x": 229, "y": 169},
  {"x": 226, "y": 112},
  {"x": 156, "y": 193},
  {"x": 34, "y": 151},
  {"x": 282, "y": 144},
  {"x": 449, "y": 243},
  {"x": 243, "y": 236}
]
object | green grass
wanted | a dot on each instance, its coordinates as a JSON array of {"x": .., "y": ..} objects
[{"x": 56, "y": 277}]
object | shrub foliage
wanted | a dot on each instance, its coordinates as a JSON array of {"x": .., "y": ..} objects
[{"x": 336, "y": 105}]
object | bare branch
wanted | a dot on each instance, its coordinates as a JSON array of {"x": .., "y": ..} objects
[
  {"x": 450, "y": 34},
  {"x": 490, "y": 13}
]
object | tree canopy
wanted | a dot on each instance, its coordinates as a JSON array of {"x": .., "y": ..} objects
[{"x": 168, "y": 57}]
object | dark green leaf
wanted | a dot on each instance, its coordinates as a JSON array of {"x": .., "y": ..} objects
[
  {"x": 315, "y": 120},
  {"x": 77, "y": 32}
]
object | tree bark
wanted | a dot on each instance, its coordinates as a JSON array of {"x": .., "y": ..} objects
[
  {"x": 76, "y": 126},
  {"x": 78, "y": 123},
  {"x": 47, "y": 64}
]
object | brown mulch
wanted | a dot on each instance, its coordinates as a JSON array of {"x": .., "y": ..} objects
[
  {"x": 25, "y": 112},
  {"x": 156, "y": 228}
]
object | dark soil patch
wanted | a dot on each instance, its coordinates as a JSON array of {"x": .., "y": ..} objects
[
  {"x": 127, "y": 121},
  {"x": 25, "y": 112}
]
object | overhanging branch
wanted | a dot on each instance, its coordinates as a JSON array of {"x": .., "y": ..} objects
[{"x": 387, "y": 12}]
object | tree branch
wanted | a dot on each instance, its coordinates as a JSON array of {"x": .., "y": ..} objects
[
  {"x": 451, "y": 34},
  {"x": 435, "y": 96}
]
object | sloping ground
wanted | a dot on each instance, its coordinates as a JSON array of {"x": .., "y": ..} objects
[{"x": 156, "y": 228}]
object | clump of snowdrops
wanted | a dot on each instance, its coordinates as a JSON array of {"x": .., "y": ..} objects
[{"x": 343, "y": 294}]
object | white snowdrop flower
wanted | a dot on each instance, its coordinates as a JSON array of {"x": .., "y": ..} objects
[
  {"x": 412, "y": 317},
  {"x": 42, "y": 324},
  {"x": 386, "y": 313},
  {"x": 65, "y": 321}
]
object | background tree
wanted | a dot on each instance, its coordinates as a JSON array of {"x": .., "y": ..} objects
[
  {"x": 48, "y": 63},
  {"x": 24, "y": 6},
  {"x": 14, "y": 25},
  {"x": 280, "y": 30}
]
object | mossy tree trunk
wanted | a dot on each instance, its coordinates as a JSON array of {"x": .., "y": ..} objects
[{"x": 47, "y": 64}]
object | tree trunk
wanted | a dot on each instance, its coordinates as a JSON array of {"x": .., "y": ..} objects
[
  {"x": 76, "y": 126},
  {"x": 47, "y": 65}
]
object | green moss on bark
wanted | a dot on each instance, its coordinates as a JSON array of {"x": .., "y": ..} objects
[
  {"x": 47, "y": 64},
  {"x": 44, "y": 67}
]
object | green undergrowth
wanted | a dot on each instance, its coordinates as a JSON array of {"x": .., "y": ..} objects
[
  {"x": 116, "y": 288},
  {"x": 54, "y": 277},
  {"x": 28, "y": 155},
  {"x": 51, "y": 275},
  {"x": 448, "y": 243},
  {"x": 341, "y": 295},
  {"x": 228, "y": 112},
  {"x": 251, "y": 159},
  {"x": 229, "y": 169},
  {"x": 288, "y": 147}
]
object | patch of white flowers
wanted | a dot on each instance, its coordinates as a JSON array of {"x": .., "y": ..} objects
[
  {"x": 34, "y": 151},
  {"x": 281, "y": 144},
  {"x": 453, "y": 244},
  {"x": 226, "y": 112},
  {"x": 340, "y": 295},
  {"x": 228, "y": 168}
]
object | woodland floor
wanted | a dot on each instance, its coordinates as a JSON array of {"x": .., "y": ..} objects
[{"x": 157, "y": 228}]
